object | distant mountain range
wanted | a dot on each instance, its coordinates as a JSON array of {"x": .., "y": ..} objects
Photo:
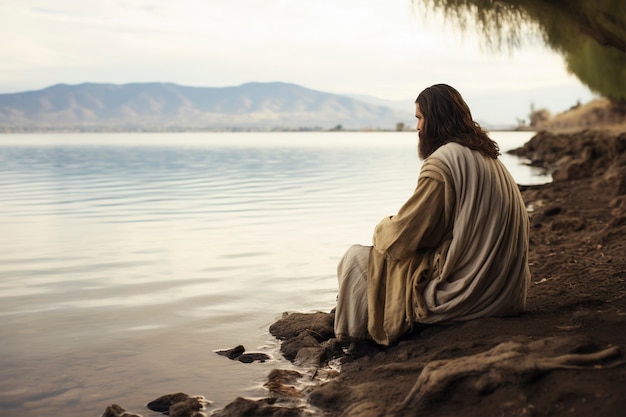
[{"x": 172, "y": 107}]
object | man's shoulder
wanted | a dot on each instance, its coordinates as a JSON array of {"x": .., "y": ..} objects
[
  {"x": 439, "y": 164},
  {"x": 451, "y": 149},
  {"x": 448, "y": 153}
]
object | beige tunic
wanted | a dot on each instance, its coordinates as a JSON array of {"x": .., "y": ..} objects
[{"x": 456, "y": 250}]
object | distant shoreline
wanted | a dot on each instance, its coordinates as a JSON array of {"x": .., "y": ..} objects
[{"x": 598, "y": 114}]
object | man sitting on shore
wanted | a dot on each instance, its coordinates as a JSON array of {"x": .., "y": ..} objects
[{"x": 455, "y": 251}]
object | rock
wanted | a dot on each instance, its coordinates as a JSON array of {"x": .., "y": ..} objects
[
  {"x": 251, "y": 357},
  {"x": 260, "y": 408},
  {"x": 163, "y": 403},
  {"x": 233, "y": 353},
  {"x": 290, "y": 347},
  {"x": 308, "y": 339},
  {"x": 311, "y": 356},
  {"x": 179, "y": 405},
  {"x": 115, "y": 410},
  {"x": 319, "y": 325},
  {"x": 284, "y": 375},
  {"x": 237, "y": 353},
  {"x": 188, "y": 408},
  {"x": 278, "y": 380}
]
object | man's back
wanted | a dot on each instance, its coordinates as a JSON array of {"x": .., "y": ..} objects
[{"x": 483, "y": 269}]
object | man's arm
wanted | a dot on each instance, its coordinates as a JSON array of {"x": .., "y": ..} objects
[{"x": 419, "y": 224}]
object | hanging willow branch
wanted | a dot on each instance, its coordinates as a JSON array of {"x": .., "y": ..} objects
[{"x": 590, "y": 35}]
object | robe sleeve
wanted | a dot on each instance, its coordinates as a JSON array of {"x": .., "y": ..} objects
[{"x": 419, "y": 224}]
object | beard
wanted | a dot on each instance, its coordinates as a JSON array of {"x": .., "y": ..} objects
[
  {"x": 422, "y": 148},
  {"x": 426, "y": 146}
]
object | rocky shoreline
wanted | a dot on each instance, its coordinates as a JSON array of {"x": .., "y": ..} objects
[{"x": 564, "y": 356}]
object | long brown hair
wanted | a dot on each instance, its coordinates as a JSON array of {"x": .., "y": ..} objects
[{"x": 447, "y": 118}]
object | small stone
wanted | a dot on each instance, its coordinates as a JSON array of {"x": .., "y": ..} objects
[
  {"x": 278, "y": 380},
  {"x": 284, "y": 375},
  {"x": 311, "y": 356},
  {"x": 233, "y": 353},
  {"x": 189, "y": 408},
  {"x": 263, "y": 407},
  {"x": 251, "y": 357},
  {"x": 289, "y": 348},
  {"x": 163, "y": 403},
  {"x": 115, "y": 410}
]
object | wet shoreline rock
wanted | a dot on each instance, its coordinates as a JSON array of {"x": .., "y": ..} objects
[
  {"x": 588, "y": 154},
  {"x": 238, "y": 354},
  {"x": 307, "y": 339},
  {"x": 264, "y": 407},
  {"x": 174, "y": 405},
  {"x": 115, "y": 410}
]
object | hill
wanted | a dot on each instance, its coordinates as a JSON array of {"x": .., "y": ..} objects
[
  {"x": 598, "y": 114},
  {"x": 172, "y": 107}
]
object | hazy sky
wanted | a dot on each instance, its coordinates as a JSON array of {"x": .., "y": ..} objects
[{"x": 383, "y": 48}]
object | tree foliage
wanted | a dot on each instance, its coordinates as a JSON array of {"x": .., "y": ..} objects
[{"x": 589, "y": 34}]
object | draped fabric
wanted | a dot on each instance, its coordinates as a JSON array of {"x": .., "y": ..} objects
[
  {"x": 351, "y": 310},
  {"x": 456, "y": 250}
]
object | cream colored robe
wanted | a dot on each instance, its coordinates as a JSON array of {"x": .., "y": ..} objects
[{"x": 456, "y": 250}]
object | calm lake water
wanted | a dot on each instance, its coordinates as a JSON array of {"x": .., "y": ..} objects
[{"x": 126, "y": 260}]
